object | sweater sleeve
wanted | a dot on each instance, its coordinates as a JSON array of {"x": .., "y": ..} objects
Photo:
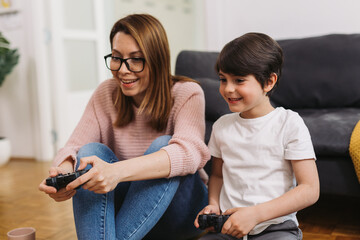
[
  {"x": 86, "y": 131},
  {"x": 187, "y": 150}
]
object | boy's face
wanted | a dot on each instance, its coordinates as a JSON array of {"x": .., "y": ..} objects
[{"x": 244, "y": 95}]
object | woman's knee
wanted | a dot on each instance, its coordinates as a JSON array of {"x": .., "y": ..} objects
[
  {"x": 158, "y": 143},
  {"x": 91, "y": 149},
  {"x": 97, "y": 149}
]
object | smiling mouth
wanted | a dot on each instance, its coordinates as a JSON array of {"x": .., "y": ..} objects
[
  {"x": 233, "y": 100},
  {"x": 129, "y": 81}
]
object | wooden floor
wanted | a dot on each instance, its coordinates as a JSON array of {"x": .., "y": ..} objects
[{"x": 23, "y": 205}]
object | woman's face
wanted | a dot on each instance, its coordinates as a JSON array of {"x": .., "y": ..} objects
[{"x": 132, "y": 84}]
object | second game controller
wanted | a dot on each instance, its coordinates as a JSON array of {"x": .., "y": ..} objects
[
  {"x": 62, "y": 180},
  {"x": 212, "y": 220}
]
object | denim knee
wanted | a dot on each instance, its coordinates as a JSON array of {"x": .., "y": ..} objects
[
  {"x": 91, "y": 149},
  {"x": 158, "y": 143},
  {"x": 96, "y": 149}
]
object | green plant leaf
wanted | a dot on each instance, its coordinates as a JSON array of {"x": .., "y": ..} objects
[{"x": 9, "y": 58}]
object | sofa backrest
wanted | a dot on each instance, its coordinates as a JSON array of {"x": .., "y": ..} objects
[
  {"x": 196, "y": 64},
  {"x": 318, "y": 72}
]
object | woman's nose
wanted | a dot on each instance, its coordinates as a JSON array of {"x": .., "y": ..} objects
[{"x": 123, "y": 69}]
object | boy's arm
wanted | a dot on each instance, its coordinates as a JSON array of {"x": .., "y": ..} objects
[
  {"x": 303, "y": 195},
  {"x": 215, "y": 182}
]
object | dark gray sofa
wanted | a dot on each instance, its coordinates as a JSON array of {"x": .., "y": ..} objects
[{"x": 321, "y": 81}]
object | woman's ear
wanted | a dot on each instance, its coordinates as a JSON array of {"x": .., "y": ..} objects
[{"x": 271, "y": 82}]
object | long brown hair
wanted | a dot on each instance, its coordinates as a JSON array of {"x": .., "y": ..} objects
[{"x": 152, "y": 40}]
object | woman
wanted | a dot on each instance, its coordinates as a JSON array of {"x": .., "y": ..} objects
[{"x": 141, "y": 136}]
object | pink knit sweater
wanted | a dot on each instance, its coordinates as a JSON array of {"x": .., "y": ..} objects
[{"x": 186, "y": 150}]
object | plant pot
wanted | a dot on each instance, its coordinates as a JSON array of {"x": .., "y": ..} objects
[{"x": 5, "y": 150}]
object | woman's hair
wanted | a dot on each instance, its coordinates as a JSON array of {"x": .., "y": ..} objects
[
  {"x": 152, "y": 40},
  {"x": 252, "y": 53}
]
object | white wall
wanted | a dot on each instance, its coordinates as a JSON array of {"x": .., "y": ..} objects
[
  {"x": 183, "y": 21},
  {"x": 16, "y": 106},
  {"x": 281, "y": 19}
]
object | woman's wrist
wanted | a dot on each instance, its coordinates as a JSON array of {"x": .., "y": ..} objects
[{"x": 67, "y": 165}]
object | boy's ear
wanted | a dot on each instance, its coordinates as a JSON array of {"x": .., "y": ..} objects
[{"x": 271, "y": 82}]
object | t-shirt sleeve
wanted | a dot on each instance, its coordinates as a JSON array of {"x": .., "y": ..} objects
[{"x": 298, "y": 144}]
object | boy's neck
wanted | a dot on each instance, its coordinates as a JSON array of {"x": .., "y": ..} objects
[{"x": 260, "y": 111}]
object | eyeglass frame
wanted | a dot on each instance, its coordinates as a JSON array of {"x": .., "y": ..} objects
[{"x": 124, "y": 60}]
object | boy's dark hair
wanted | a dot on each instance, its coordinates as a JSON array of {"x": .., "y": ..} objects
[{"x": 252, "y": 53}]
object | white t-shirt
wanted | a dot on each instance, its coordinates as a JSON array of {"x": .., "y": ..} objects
[{"x": 255, "y": 153}]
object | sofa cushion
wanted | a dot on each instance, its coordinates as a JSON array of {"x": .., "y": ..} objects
[
  {"x": 331, "y": 129},
  {"x": 320, "y": 72}
]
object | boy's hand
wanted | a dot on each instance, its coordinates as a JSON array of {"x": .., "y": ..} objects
[
  {"x": 207, "y": 210},
  {"x": 241, "y": 221}
]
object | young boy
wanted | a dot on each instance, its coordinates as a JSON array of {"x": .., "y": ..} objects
[{"x": 263, "y": 167}]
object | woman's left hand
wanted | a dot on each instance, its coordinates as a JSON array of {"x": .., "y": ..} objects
[{"x": 101, "y": 178}]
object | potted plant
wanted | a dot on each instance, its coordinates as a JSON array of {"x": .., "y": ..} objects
[{"x": 8, "y": 60}]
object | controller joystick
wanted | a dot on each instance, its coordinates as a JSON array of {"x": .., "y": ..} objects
[
  {"x": 212, "y": 220},
  {"x": 62, "y": 180}
]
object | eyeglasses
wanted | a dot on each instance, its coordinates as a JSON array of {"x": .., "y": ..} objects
[{"x": 135, "y": 65}]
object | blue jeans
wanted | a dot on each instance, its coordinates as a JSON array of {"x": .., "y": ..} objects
[{"x": 150, "y": 209}]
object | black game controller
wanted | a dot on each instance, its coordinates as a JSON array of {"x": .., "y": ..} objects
[
  {"x": 212, "y": 220},
  {"x": 61, "y": 180}
]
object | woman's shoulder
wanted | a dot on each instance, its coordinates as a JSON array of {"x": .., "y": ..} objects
[
  {"x": 107, "y": 86},
  {"x": 104, "y": 93},
  {"x": 186, "y": 88}
]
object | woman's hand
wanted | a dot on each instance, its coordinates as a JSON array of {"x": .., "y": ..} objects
[
  {"x": 62, "y": 194},
  {"x": 207, "y": 210},
  {"x": 101, "y": 178},
  {"x": 241, "y": 221}
]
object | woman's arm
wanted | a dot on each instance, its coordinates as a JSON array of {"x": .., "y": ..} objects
[
  {"x": 306, "y": 193},
  {"x": 187, "y": 150},
  {"x": 104, "y": 177},
  {"x": 88, "y": 129}
]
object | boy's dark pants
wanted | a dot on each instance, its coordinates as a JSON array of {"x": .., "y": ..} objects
[{"x": 283, "y": 231}]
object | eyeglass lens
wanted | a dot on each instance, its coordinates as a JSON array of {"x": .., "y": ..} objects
[{"x": 132, "y": 64}]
